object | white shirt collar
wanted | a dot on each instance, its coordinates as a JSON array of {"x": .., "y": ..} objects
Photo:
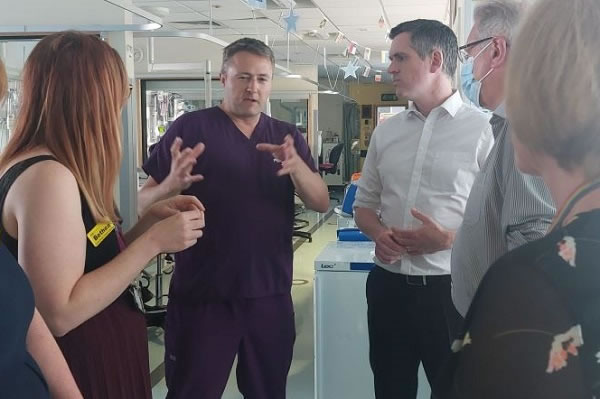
[{"x": 451, "y": 105}]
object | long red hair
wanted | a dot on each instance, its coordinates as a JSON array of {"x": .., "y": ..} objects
[{"x": 74, "y": 86}]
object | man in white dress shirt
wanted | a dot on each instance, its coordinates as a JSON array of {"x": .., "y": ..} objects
[{"x": 417, "y": 176}]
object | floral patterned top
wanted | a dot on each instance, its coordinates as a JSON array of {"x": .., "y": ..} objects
[{"x": 533, "y": 329}]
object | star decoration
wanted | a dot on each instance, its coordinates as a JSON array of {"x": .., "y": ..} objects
[
  {"x": 259, "y": 4},
  {"x": 291, "y": 20},
  {"x": 350, "y": 70}
]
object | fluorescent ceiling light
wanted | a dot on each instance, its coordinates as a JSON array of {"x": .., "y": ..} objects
[
  {"x": 153, "y": 25},
  {"x": 293, "y": 76}
]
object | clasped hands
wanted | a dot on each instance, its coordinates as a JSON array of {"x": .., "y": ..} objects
[{"x": 393, "y": 243}]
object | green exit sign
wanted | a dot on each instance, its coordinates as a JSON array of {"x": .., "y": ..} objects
[{"x": 389, "y": 97}]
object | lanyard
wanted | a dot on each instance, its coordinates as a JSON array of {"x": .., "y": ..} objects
[{"x": 573, "y": 199}]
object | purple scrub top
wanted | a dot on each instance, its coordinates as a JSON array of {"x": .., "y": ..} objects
[{"x": 246, "y": 250}]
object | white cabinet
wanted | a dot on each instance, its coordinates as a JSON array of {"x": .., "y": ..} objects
[{"x": 342, "y": 369}]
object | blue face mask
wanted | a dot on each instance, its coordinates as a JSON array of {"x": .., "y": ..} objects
[{"x": 470, "y": 86}]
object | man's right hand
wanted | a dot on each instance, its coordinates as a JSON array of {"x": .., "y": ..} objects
[
  {"x": 178, "y": 232},
  {"x": 182, "y": 163},
  {"x": 387, "y": 250}
]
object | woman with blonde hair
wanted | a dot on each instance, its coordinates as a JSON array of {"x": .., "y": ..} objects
[
  {"x": 60, "y": 220},
  {"x": 533, "y": 329}
]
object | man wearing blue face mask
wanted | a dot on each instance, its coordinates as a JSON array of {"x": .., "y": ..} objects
[
  {"x": 505, "y": 209},
  {"x": 471, "y": 86}
]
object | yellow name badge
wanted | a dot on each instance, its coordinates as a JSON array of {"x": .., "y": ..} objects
[{"x": 100, "y": 232}]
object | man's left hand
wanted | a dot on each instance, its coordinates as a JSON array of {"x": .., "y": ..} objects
[
  {"x": 431, "y": 237},
  {"x": 284, "y": 153}
]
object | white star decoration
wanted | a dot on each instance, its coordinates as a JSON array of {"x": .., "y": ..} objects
[
  {"x": 350, "y": 70},
  {"x": 291, "y": 20}
]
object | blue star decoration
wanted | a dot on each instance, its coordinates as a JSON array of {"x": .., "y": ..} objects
[
  {"x": 291, "y": 20},
  {"x": 350, "y": 70},
  {"x": 260, "y": 4}
]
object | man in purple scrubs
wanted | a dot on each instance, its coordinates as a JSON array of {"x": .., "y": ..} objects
[{"x": 231, "y": 292}]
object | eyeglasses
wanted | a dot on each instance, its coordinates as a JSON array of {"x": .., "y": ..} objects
[{"x": 463, "y": 55}]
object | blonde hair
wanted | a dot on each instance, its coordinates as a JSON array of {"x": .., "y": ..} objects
[
  {"x": 74, "y": 86},
  {"x": 553, "y": 85}
]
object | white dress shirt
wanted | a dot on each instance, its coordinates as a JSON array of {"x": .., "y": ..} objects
[{"x": 424, "y": 163}]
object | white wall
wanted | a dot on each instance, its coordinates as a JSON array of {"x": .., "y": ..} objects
[
  {"x": 331, "y": 113},
  {"x": 14, "y": 54},
  {"x": 331, "y": 116},
  {"x": 467, "y": 19}
]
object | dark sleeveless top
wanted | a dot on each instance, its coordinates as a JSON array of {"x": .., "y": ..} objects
[{"x": 107, "y": 354}]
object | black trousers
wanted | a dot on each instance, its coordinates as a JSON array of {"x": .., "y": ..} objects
[{"x": 410, "y": 320}]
